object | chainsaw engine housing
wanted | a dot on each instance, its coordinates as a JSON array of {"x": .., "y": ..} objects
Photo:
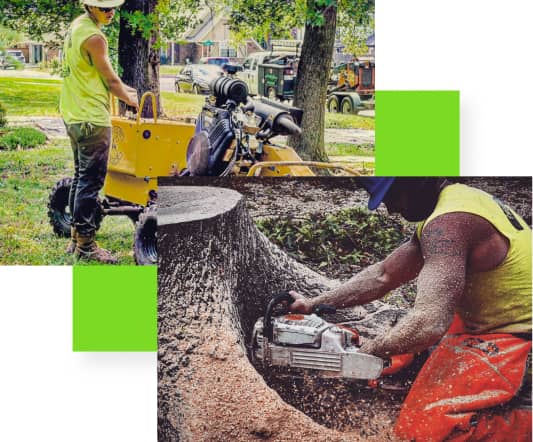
[{"x": 309, "y": 342}]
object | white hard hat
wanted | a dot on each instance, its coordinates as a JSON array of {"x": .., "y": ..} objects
[{"x": 103, "y": 3}]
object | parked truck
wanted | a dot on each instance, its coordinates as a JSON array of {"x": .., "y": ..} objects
[
  {"x": 351, "y": 87},
  {"x": 272, "y": 73}
]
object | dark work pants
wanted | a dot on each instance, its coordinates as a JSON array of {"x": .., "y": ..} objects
[{"x": 90, "y": 146}]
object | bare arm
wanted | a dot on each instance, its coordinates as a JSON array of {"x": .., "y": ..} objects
[
  {"x": 96, "y": 48},
  {"x": 402, "y": 265},
  {"x": 445, "y": 244}
]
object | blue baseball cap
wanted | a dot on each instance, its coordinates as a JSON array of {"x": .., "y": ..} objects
[{"x": 377, "y": 187}]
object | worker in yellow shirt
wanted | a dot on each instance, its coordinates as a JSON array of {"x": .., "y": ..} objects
[
  {"x": 88, "y": 81},
  {"x": 471, "y": 255}
]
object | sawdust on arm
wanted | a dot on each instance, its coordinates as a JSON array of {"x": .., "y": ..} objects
[
  {"x": 374, "y": 282},
  {"x": 445, "y": 245}
]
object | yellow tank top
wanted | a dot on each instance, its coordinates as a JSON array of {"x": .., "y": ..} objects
[
  {"x": 84, "y": 96},
  {"x": 498, "y": 300}
]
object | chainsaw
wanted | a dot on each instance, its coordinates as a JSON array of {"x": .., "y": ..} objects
[{"x": 309, "y": 342}]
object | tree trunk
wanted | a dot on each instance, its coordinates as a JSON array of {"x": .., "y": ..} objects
[
  {"x": 216, "y": 274},
  {"x": 311, "y": 86},
  {"x": 138, "y": 58}
]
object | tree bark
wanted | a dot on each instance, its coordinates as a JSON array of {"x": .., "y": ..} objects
[
  {"x": 138, "y": 58},
  {"x": 216, "y": 274},
  {"x": 311, "y": 86}
]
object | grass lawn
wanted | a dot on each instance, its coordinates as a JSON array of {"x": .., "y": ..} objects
[
  {"x": 26, "y": 178},
  {"x": 167, "y": 69},
  {"x": 40, "y": 97},
  {"x": 348, "y": 149},
  {"x": 182, "y": 105},
  {"x": 349, "y": 121},
  {"x": 30, "y": 96},
  {"x": 350, "y": 155}
]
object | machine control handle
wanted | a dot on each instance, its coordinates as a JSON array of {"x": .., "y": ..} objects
[
  {"x": 267, "y": 322},
  {"x": 141, "y": 106},
  {"x": 285, "y": 296}
]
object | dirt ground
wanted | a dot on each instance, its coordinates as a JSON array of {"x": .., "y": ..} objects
[
  {"x": 355, "y": 408},
  {"x": 271, "y": 197}
]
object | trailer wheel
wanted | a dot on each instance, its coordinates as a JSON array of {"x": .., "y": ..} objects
[
  {"x": 347, "y": 105},
  {"x": 333, "y": 104},
  {"x": 145, "y": 238}
]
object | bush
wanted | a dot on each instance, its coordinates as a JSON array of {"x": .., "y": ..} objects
[
  {"x": 22, "y": 138},
  {"x": 3, "y": 119},
  {"x": 53, "y": 65},
  {"x": 352, "y": 236}
]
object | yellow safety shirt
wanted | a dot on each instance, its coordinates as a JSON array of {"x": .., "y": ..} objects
[
  {"x": 498, "y": 300},
  {"x": 84, "y": 96}
]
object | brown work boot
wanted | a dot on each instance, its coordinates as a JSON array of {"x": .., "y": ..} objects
[
  {"x": 87, "y": 248},
  {"x": 71, "y": 248}
]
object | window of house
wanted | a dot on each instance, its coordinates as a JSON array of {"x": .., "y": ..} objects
[{"x": 228, "y": 52}]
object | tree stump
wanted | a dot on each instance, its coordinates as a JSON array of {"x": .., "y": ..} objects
[{"x": 216, "y": 274}]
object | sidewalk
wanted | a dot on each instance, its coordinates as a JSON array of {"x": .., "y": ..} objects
[
  {"x": 53, "y": 127},
  {"x": 28, "y": 73}
]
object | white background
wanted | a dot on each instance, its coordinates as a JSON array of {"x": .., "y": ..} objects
[{"x": 482, "y": 48}]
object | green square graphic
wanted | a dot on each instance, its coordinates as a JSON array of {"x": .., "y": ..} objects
[
  {"x": 114, "y": 308},
  {"x": 417, "y": 133}
]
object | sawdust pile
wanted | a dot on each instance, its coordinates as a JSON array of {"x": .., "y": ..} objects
[{"x": 243, "y": 408}]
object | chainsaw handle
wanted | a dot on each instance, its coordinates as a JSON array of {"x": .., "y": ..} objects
[
  {"x": 325, "y": 309},
  {"x": 267, "y": 321},
  {"x": 285, "y": 296}
]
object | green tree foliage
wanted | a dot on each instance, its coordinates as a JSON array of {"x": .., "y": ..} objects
[
  {"x": 8, "y": 37},
  {"x": 276, "y": 18},
  {"x": 353, "y": 31},
  {"x": 152, "y": 20},
  {"x": 48, "y": 20},
  {"x": 263, "y": 20},
  {"x": 175, "y": 16},
  {"x": 39, "y": 17}
]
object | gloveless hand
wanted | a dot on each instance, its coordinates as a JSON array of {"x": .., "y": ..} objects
[
  {"x": 132, "y": 98},
  {"x": 301, "y": 304}
]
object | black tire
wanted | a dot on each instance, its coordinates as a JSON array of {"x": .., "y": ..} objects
[
  {"x": 333, "y": 104},
  {"x": 134, "y": 217},
  {"x": 346, "y": 105},
  {"x": 145, "y": 238},
  {"x": 58, "y": 210}
]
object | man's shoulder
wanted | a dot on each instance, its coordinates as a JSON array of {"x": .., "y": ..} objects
[
  {"x": 458, "y": 230},
  {"x": 83, "y": 25},
  {"x": 457, "y": 222}
]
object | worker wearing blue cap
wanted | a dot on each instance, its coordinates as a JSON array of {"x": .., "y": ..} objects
[{"x": 471, "y": 255}]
